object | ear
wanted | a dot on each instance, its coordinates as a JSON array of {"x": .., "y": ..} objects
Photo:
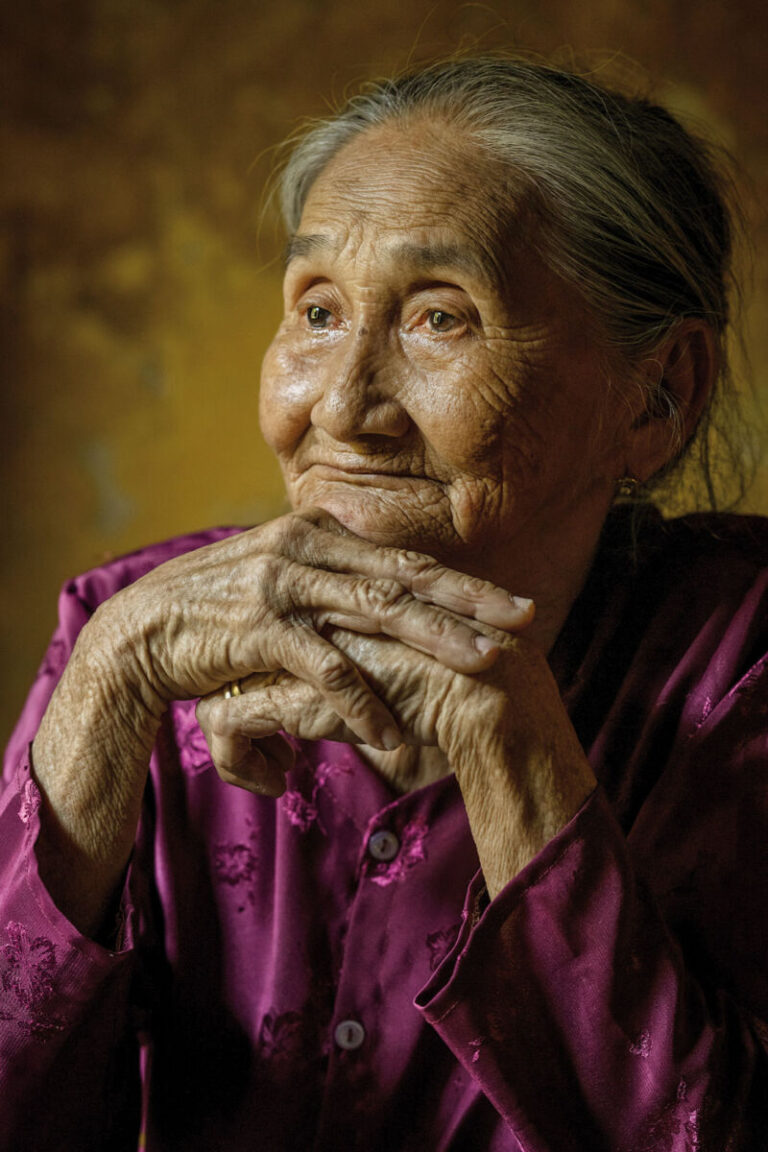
[{"x": 689, "y": 364}]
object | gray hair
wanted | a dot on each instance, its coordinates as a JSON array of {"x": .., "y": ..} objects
[{"x": 633, "y": 205}]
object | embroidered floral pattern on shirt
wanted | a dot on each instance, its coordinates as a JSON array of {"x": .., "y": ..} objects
[
  {"x": 281, "y": 1036},
  {"x": 27, "y": 981},
  {"x": 236, "y": 864},
  {"x": 412, "y": 851},
  {"x": 676, "y": 1120},
  {"x": 30, "y": 802},
  {"x": 706, "y": 710},
  {"x": 440, "y": 943},
  {"x": 642, "y": 1045},
  {"x": 302, "y": 813},
  {"x": 194, "y": 753},
  {"x": 327, "y": 769},
  {"x": 300, "y": 804},
  {"x": 288, "y": 1043}
]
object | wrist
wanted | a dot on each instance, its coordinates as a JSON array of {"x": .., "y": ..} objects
[
  {"x": 92, "y": 750},
  {"x": 518, "y": 761},
  {"x": 120, "y": 663}
]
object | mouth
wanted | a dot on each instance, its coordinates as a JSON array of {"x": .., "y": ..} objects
[{"x": 364, "y": 474}]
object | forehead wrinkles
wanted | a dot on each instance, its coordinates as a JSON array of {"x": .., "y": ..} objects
[
  {"x": 417, "y": 250},
  {"x": 400, "y": 180}
]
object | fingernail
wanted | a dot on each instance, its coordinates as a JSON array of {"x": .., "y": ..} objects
[
  {"x": 485, "y": 645},
  {"x": 391, "y": 739},
  {"x": 521, "y": 602}
]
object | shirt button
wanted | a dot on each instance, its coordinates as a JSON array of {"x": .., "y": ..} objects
[
  {"x": 383, "y": 845},
  {"x": 349, "y": 1034}
]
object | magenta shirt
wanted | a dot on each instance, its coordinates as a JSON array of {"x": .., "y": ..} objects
[{"x": 324, "y": 972}]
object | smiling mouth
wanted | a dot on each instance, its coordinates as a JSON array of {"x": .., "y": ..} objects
[{"x": 383, "y": 477}]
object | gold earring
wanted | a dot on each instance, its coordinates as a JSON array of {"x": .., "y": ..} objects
[{"x": 626, "y": 487}]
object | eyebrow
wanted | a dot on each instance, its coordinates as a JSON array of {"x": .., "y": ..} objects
[
  {"x": 304, "y": 245},
  {"x": 424, "y": 257},
  {"x": 429, "y": 257}
]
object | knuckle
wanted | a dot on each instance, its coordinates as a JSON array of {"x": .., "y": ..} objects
[
  {"x": 439, "y": 625},
  {"x": 214, "y": 720},
  {"x": 285, "y": 533},
  {"x": 274, "y": 535},
  {"x": 268, "y": 572},
  {"x": 225, "y": 776},
  {"x": 382, "y": 595},
  {"x": 417, "y": 566},
  {"x": 334, "y": 672},
  {"x": 474, "y": 587},
  {"x": 358, "y": 701}
]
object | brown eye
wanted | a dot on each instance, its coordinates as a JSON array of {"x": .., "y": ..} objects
[
  {"x": 440, "y": 321},
  {"x": 317, "y": 317}
]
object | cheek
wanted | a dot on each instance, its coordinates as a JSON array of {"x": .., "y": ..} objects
[
  {"x": 286, "y": 398},
  {"x": 465, "y": 420}
]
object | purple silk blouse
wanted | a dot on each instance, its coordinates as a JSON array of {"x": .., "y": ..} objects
[{"x": 324, "y": 972}]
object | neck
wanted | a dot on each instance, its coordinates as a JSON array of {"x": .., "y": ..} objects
[
  {"x": 554, "y": 597},
  {"x": 551, "y": 567}
]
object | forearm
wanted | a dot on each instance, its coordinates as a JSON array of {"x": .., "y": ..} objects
[
  {"x": 521, "y": 769},
  {"x": 572, "y": 1005},
  {"x": 68, "y": 1067},
  {"x": 90, "y": 758}
]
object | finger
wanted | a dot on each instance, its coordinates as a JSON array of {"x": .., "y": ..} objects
[
  {"x": 383, "y": 606},
  {"x": 310, "y": 657},
  {"x": 259, "y": 768},
  {"x": 415, "y": 688},
  {"x": 254, "y": 770},
  {"x": 271, "y": 705},
  {"x": 326, "y": 544}
]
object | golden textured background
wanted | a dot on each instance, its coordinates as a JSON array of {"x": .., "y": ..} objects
[{"x": 137, "y": 261}]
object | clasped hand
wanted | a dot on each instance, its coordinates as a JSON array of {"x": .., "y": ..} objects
[
  {"x": 330, "y": 636},
  {"x": 356, "y": 643}
]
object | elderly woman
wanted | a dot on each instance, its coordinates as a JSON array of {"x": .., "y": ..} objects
[{"x": 494, "y": 874}]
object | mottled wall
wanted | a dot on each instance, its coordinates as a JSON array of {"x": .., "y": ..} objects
[{"x": 139, "y": 278}]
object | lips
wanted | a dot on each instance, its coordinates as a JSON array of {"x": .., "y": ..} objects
[{"x": 361, "y": 473}]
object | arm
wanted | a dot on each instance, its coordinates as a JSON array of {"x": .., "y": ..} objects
[
  {"x": 255, "y": 603},
  {"x": 68, "y": 829},
  {"x": 65, "y": 1035},
  {"x": 626, "y": 973},
  {"x": 586, "y": 1019}
]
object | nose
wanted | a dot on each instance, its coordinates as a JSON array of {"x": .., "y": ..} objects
[{"x": 360, "y": 394}]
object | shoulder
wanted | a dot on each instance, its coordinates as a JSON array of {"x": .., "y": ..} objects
[
  {"x": 99, "y": 583},
  {"x": 706, "y": 558},
  {"x": 710, "y": 573},
  {"x": 734, "y": 543},
  {"x": 671, "y": 604}
]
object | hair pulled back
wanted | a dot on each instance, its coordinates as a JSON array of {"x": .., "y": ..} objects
[{"x": 633, "y": 206}]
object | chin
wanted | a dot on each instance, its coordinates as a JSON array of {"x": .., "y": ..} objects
[{"x": 379, "y": 517}]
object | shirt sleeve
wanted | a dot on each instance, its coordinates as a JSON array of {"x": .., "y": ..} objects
[
  {"x": 614, "y": 996},
  {"x": 581, "y": 1017},
  {"x": 71, "y": 1018},
  {"x": 68, "y": 1051}
]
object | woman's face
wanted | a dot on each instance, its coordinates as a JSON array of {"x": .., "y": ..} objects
[{"x": 432, "y": 384}]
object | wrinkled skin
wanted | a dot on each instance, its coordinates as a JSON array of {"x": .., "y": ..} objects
[
  {"x": 254, "y": 603},
  {"x": 438, "y": 403},
  {"x": 417, "y": 393}
]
